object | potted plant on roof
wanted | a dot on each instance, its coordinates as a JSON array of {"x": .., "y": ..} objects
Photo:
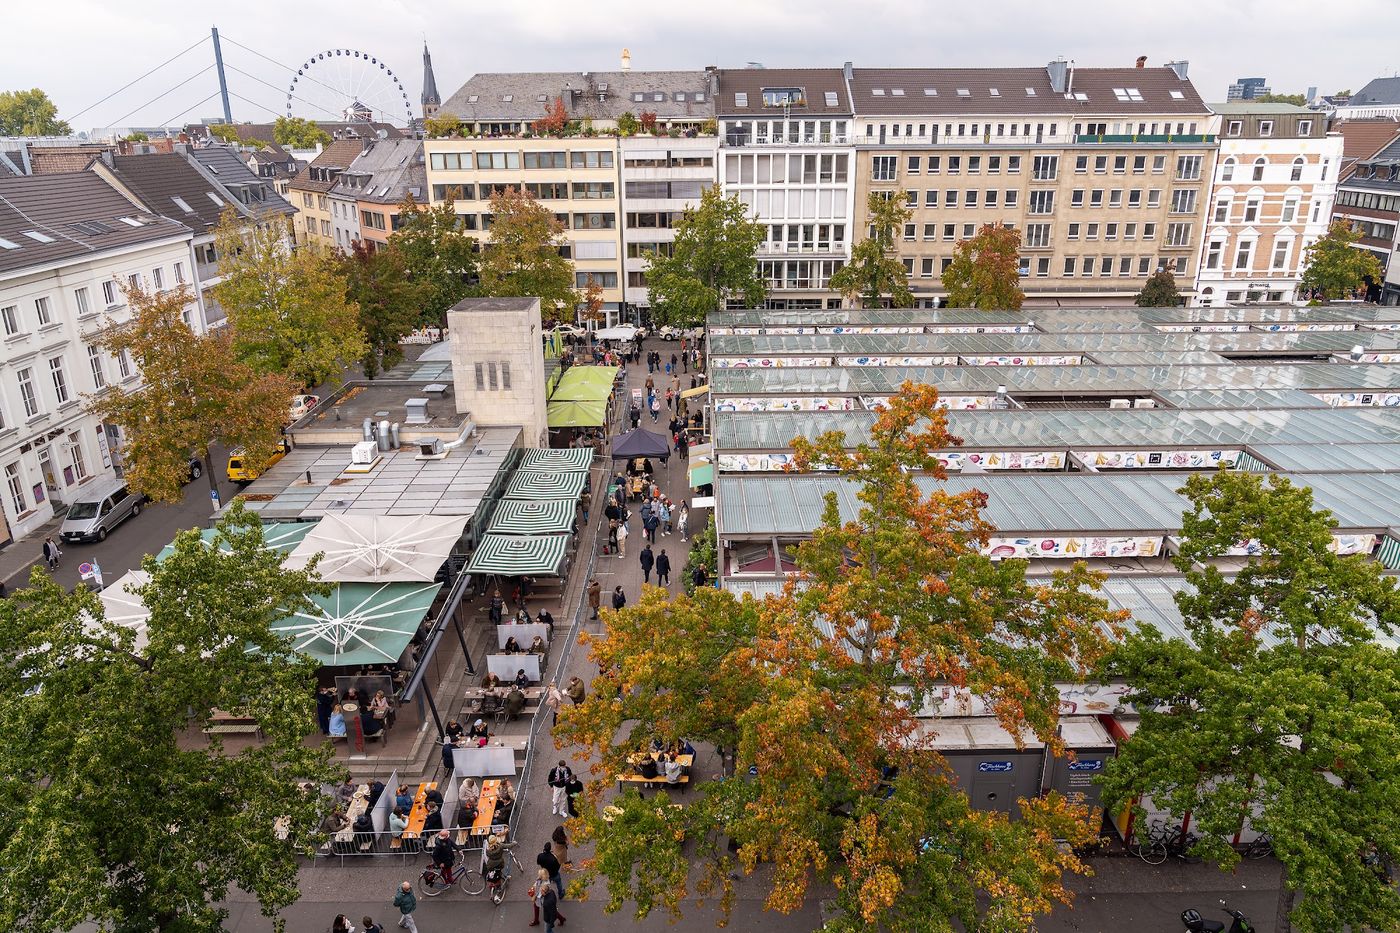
[{"x": 627, "y": 124}]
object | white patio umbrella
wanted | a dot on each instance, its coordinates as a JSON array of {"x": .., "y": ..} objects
[{"x": 379, "y": 548}]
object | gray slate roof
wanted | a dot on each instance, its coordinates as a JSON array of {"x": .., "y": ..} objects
[
  {"x": 230, "y": 170},
  {"x": 50, "y": 204},
  {"x": 597, "y": 95},
  {"x": 1013, "y": 87},
  {"x": 385, "y": 172},
  {"x": 1377, "y": 91}
]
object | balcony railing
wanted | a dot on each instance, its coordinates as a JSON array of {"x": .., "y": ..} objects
[
  {"x": 818, "y": 139},
  {"x": 1119, "y": 139}
]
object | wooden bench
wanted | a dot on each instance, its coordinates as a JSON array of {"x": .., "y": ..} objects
[
  {"x": 655, "y": 783},
  {"x": 231, "y": 728}
]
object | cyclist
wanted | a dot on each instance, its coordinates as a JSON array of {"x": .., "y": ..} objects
[
  {"x": 493, "y": 860},
  {"x": 444, "y": 855}
]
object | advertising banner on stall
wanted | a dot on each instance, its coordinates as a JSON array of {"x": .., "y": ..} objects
[
  {"x": 791, "y": 403},
  {"x": 1342, "y": 544},
  {"x": 1359, "y": 399},
  {"x": 1074, "y": 547},
  {"x": 958, "y": 460},
  {"x": 1158, "y": 459},
  {"x": 1063, "y": 359},
  {"x": 1202, "y": 328},
  {"x": 767, "y": 362},
  {"x": 896, "y": 361}
]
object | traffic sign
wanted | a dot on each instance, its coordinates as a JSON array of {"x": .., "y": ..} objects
[{"x": 86, "y": 570}]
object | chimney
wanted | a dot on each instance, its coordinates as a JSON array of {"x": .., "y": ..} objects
[
  {"x": 848, "y": 70},
  {"x": 712, "y": 79},
  {"x": 626, "y": 60},
  {"x": 1058, "y": 71},
  {"x": 1179, "y": 68},
  {"x": 1142, "y": 61}
]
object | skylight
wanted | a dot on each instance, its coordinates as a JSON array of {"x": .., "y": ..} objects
[
  {"x": 658, "y": 96},
  {"x": 133, "y": 222},
  {"x": 1080, "y": 95},
  {"x": 473, "y": 98},
  {"x": 1130, "y": 94},
  {"x": 38, "y": 237},
  {"x": 830, "y": 98},
  {"x": 182, "y": 205},
  {"x": 603, "y": 86},
  {"x": 541, "y": 97},
  {"x": 507, "y": 98},
  {"x": 6, "y": 244},
  {"x": 699, "y": 98},
  {"x": 1030, "y": 92},
  {"x": 995, "y": 92},
  {"x": 638, "y": 97},
  {"x": 964, "y": 92},
  {"x": 215, "y": 198},
  {"x": 930, "y": 92},
  {"x": 877, "y": 92},
  {"x": 897, "y": 92},
  {"x": 741, "y": 99},
  {"x": 1177, "y": 95}
]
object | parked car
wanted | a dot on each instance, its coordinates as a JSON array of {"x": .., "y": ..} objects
[
  {"x": 94, "y": 514},
  {"x": 301, "y": 405},
  {"x": 195, "y": 471},
  {"x": 239, "y": 472}
]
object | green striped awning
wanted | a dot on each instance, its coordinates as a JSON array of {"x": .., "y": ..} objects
[
  {"x": 1389, "y": 553},
  {"x": 511, "y": 555},
  {"x": 569, "y": 460},
  {"x": 537, "y": 517},
  {"x": 530, "y": 484}
]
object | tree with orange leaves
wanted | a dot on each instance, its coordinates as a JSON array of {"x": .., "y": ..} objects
[
  {"x": 815, "y": 693},
  {"x": 555, "y": 120}
]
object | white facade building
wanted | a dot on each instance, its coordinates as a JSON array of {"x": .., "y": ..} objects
[
  {"x": 1271, "y": 196},
  {"x": 661, "y": 177},
  {"x": 67, "y": 244}
]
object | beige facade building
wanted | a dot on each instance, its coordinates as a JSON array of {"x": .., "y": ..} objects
[
  {"x": 317, "y": 217},
  {"x": 498, "y": 371},
  {"x": 1105, "y": 171}
]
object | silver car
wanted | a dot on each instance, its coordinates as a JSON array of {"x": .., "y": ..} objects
[{"x": 96, "y": 513}]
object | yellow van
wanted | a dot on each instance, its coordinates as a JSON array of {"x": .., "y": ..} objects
[{"x": 238, "y": 472}]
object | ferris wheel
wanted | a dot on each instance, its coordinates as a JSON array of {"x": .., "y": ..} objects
[{"x": 350, "y": 85}]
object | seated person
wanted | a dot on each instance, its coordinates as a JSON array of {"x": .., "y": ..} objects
[
  {"x": 522, "y": 617},
  {"x": 512, "y": 646},
  {"x": 346, "y": 792},
  {"x": 454, "y": 730},
  {"x": 505, "y": 800},
  {"x": 469, "y": 793},
  {"x": 433, "y": 795},
  {"x": 364, "y": 828},
  {"x": 403, "y": 798},
  {"x": 369, "y": 724},
  {"x": 433, "y": 823},
  {"x": 337, "y": 726},
  {"x": 376, "y": 790},
  {"x": 515, "y": 702},
  {"x": 545, "y": 618},
  {"x": 648, "y": 767},
  {"x": 339, "y": 821},
  {"x": 657, "y": 746},
  {"x": 520, "y": 679},
  {"x": 397, "y": 821},
  {"x": 672, "y": 768},
  {"x": 538, "y": 646},
  {"x": 685, "y": 747},
  {"x": 478, "y": 733},
  {"x": 490, "y": 681}
]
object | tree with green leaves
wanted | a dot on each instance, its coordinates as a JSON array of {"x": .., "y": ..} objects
[
  {"x": 137, "y": 137},
  {"x": 443, "y": 125},
  {"x": 985, "y": 271},
  {"x": 228, "y": 132},
  {"x": 628, "y": 125},
  {"x": 299, "y": 133},
  {"x": 814, "y": 693},
  {"x": 112, "y": 815},
  {"x": 439, "y": 255},
  {"x": 1282, "y": 711},
  {"x": 1335, "y": 267},
  {"x": 30, "y": 113},
  {"x": 288, "y": 310},
  {"x": 1298, "y": 100},
  {"x": 712, "y": 260},
  {"x": 874, "y": 276},
  {"x": 1159, "y": 291},
  {"x": 390, "y": 302},
  {"x": 194, "y": 394},
  {"x": 523, "y": 258}
]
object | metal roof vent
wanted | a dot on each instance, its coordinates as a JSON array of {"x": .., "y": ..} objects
[{"x": 417, "y": 411}]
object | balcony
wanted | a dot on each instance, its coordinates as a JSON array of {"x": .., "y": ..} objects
[
  {"x": 740, "y": 141},
  {"x": 1121, "y": 139}
]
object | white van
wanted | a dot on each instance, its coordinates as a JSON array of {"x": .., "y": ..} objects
[{"x": 94, "y": 514}]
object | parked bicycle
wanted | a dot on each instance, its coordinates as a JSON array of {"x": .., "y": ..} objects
[
  {"x": 1261, "y": 846},
  {"x": 1160, "y": 841}
]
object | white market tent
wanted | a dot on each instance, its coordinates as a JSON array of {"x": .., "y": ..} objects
[
  {"x": 620, "y": 332},
  {"x": 379, "y": 548},
  {"x": 121, "y": 606}
]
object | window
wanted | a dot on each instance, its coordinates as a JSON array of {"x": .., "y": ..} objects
[
  {"x": 158, "y": 279},
  {"x": 1188, "y": 167},
  {"x": 1100, "y": 164},
  {"x": 934, "y": 164},
  {"x": 1135, "y": 197},
  {"x": 1297, "y": 173},
  {"x": 16, "y": 488},
  {"x": 80, "y": 300},
  {"x": 1091, "y": 232},
  {"x": 546, "y": 160},
  {"x": 1076, "y": 197},
  {"x": 1266, "y": 127},
  {"x": 1154, "y": 197},
  {"x": 1096, "y": 198},
  {"x": 1130, "y": 231},
  {"x": 1178, "y": 234},
  {"x": 1144, "y": 265},
  {"x": 910, "y": 232},
  {"x": 26, "y": 392},
  {"x": 908, "y": 267},
  {"x": 1023, "y": 267},
  {"x": 1222, "y": 210},
  {"x": 970, "y": 198},
  {"x": 604, "y": 279},
  {"x": 974, "y": 164},
  {"x": 42, "y": 311},
  {"x": 109, "y": 293},
  {"x": 1011, "y": 198},
  {"x": 954, "y": 165},
  {"x": 1213, "y": 254},
  {"x": 926, "y": 269},
  {"x": 949, "y": 231},
  {"x": 1013, "y": 164},
  {"x": 968, "y": 231},
  {"x": 1227, "y": 169},
  {"x": 911, "y": 199},
  {"x": 1045, "y": 168},
  {"x": 1042, "y": 266},
  {"x": 179, "y": 273},
  {"x": 993, "y": 165},
  {"x": 1081, "y": 164},
  {"x": 1037, "y": 236},
  {"x": 930, "y": 231},
  {"x": 594, "y": 190},
  {"x": 1069, "y": 266},
  {"x": 1289, "y": 211},
  {"x": 1073, "y": 233},
  {"x": 1041, "y": 202},
  {"x": 1120, "y": 164},
  {"x": 589, "y": 159},
  {"x": 595, "y": 221},
  {"x": 9, "y": 318},
  {"x": 1110, "y": 231},
  {"x": 124, "y": 364},
  {"x": 1139, "y": 164},
  {"x": 1115, "y": 197},
  {"x": 912, "y": 165},
  {"x": 1259, "y": 164},
  {"x": 99, "y": 373},
  {"x": 448, "y": 160},
  {"x": 1183, "y": 201},
  {"x": 1244, "y": 254},
  {"x": 1149, "y": 231},
  {"x": 989, "y": 198},
  {"x": 1235, "y": 128},
  {"x": 60, "y": 379},
  {"x": 1304, "y": 127},
  {"x": 1159, "y": 164},
  {"x": 1106, "y": 265},
  {"x": 950, "y": 198},
  {"x": 883, "y": 168},
  {"x": 931, "y": 198},
  {"x": 1251, "y": 210},
  {"x": 1281, "y": 250},
  {"x": 75, "y": 453}
]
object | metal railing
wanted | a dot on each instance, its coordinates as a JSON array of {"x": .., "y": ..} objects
[{"x": 1119, "y": 138}]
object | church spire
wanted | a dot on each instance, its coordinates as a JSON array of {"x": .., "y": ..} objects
[{"x": 431, "y": 101}]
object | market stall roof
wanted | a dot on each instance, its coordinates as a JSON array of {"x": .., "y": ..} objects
[
  {"x": 585, "y": 413},
  {"x": 277, "y": 536},
  {"x": 533, "y": 484},
  {"x": 360, "y": 623},
  {"x": 698, "y": 390},
  {"x": 379, "y": 548},
  {"x": 513, "y": 555},
  {"x": 121, "y": 606},
  {"x": 640, "y": 442},
  {"x": 544, "y": 516},
  {"x": 1050, "y": 317},
  {"x": 585, "y": 384},
  {"x": 570, "y": 459},
  {"x": 620, "y": 332}
]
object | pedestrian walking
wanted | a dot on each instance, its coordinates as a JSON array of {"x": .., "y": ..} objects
[
  {"x": 549, "y": 863},
  {"x": 371, "y": 926},
  {"x": 663, "y": 569},
  {"x": 575, "y": 691},
  {"x": 649, "y": 523},
  {"x": 674, "y": 361},
  {"x": 554, "y": 698},
  {"x": 655, "y": 409},
  {"x": 665, "y": 516},
  {"x": 560, "y": 844},
  {"x": 622, "y": 539},
  {"x": 497, "y": 607},
  {"x": 536, "y": 893},
  {"x": 671, "y": 399},
  {"x": 699, "y": 576},
  {"x": 683, "y": 519},
  {"x": 559, "y": 777},
  {"x": 342, "y": 924},
  {"x": 549, "y": 909},
  {"x": 635, "y": 414},
  {"x": 595, "y": 597},
  {"x": 407, "y": 904},
  {"x": 585, "y": 501},
  {"x": 573, "y": 791},
  {"x": 619, "y": 598},
  {"x": 51, "y": 553}
]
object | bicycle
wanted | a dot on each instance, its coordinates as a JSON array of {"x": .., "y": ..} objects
[
  {"x": 1261, "y": 846},
  {"x": 433, "y": 881},
  {"x": 498, "y": 887}
]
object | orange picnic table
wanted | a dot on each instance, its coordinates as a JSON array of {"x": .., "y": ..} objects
[{"x": 419, "y": 815}]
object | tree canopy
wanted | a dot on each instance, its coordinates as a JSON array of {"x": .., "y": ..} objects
[
  {"x": 288, "y": 310},
  {"x": 438, "y": 255},
  {"x": 389, "y": 300},
  {"x": 299, "y": 133},
  {"x": 1296, "y": 99},
  {"x": 1159, "y": 291},
  {"x": 1282, "y": 711},
  {"x": 30, "y": 113},
  {"x": 985, "y": 271},
  {"x": 711, "y": 261},
  {"x": 874, "y": 275},
  {"x": 111, "y": 814},
  {"x": 522, "y": 255},
  {"x": 195, "y": 394},
  {"x": 814, "y": 692},
  {"x": 1335, "y": 267},
  {"x": 441, "y": 125}
]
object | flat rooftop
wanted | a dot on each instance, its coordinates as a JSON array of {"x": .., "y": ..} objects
[{"x": 385, "y": 401}]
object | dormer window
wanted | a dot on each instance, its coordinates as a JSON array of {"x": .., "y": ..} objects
[{"x": 784, "y": 97}]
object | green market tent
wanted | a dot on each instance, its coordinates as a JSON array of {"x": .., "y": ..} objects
[
  {"x": 511, "y": 555},
  {"x": 533, "y": 485},
  {"x": 580, "y": 400},
  {"x": 545, "y": 516},
  {"x": 277, "y": 536},
  {"x": 360, "y": 623},
  {"x": 571, "y": 459},
  {"x": 577, "y": 414}
]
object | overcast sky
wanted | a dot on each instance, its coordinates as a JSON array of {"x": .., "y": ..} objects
[{"x": 80, "y": 51}]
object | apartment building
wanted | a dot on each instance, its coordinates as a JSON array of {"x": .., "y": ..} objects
[
  {"x": 1271, "y": 196},
  {"x": 785, "y": 143},
  {"x": 1368, "y": 199},
  {"x": 318, "y": 221},
  {"x": 661, "y": 177},
  {"x": 67, "y": 243},
  {"x": 578, "y": 175},
  {"x": 377, "y": 182},
  {"x": 1103, "y": 170}
]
